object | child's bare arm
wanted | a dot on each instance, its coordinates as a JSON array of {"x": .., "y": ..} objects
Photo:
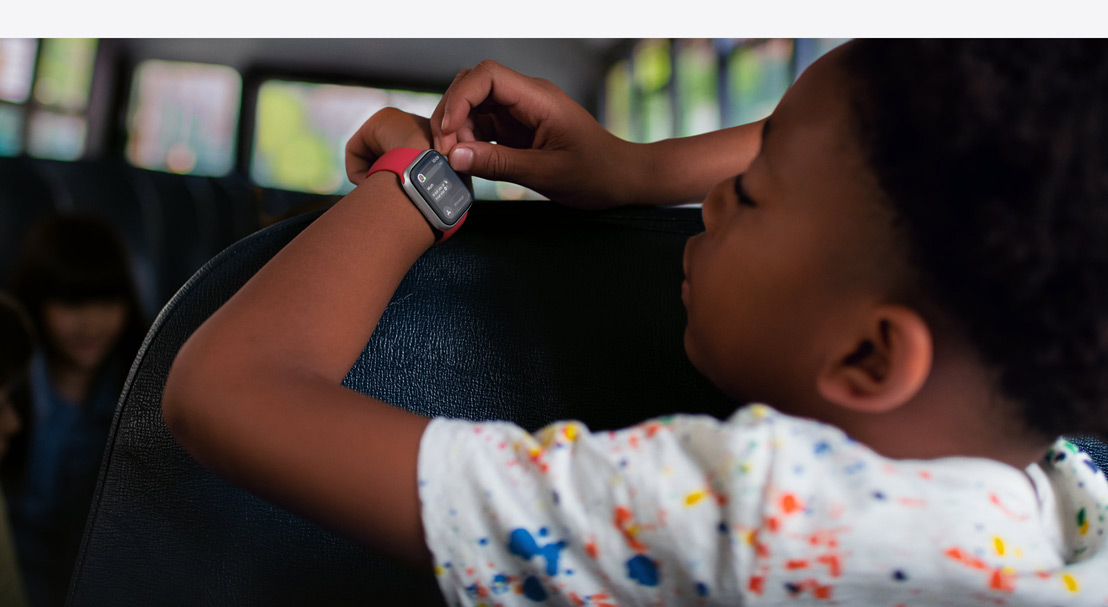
[
  {"x": 553, "y": 145},
  {"x": 255, "y": 393}
]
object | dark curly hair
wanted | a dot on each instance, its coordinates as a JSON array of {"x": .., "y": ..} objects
[
  {"x": 77, "y": 258},
  {"x": 993, "y": 155}
]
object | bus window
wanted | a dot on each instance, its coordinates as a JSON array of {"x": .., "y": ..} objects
[
  {"x": 697, "y": 80},
  {"x": 183, "y": 117},
  {"x": 617, "y": 99},
  {"x": 757, "y": 76},
  {"x": 17, "y": 65},
  {"x": 653, "y": 71},
  {"x": 301, "y": 130},
  {"x": 662, "y": 88},
  {"x": 58, "y": 127}
]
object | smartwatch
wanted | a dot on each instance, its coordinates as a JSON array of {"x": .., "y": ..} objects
[{"x": 434, "y": 187}]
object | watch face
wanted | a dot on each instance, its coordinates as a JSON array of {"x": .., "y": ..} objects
[{"x": 441, "y": 187}]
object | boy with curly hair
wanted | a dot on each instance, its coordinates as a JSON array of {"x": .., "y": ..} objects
[{"x": 909, "y": 269}]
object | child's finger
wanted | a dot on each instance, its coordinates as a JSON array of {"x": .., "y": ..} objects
[
  {"x": 358, "y": 157},
  {"x": 519, "y": 94}
]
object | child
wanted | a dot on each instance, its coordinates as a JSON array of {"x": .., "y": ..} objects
[
  {"x": 910, "y": 267},
  {"x": 73, "y": 277}
]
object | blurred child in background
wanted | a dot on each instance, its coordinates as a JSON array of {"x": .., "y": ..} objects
[{"x": 74, "y": 278}]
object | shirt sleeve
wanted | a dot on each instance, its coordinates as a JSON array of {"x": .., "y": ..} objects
[{"x": 633, "y": 517}]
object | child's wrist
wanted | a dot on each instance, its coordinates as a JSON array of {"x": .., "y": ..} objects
[
  {"x": 394, "y": 213},
  {"x": 635, "y": 183}
]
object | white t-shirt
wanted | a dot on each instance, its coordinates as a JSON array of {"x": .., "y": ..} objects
[{"x": 763, "y": 508}]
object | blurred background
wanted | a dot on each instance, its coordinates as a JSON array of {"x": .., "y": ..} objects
[
  {"x": 255, "y": 128},
  {"x": 187, "y": 145},
  {"x": 276, "y": 110}
]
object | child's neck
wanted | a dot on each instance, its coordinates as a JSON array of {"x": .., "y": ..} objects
[{"x": 956, "y": 413}]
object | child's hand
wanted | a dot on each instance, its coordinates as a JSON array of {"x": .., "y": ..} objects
[
  {"x": 387, "y": 129},
  {"x": 546, "y": 141}
]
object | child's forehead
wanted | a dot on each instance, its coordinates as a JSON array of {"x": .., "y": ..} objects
[
  {"x": 808, "y": 136},
  {"x": 818, "y": 97},
  {"x": 812, "y": 166}
]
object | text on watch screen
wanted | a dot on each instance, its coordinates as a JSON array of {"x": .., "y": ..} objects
[{"x": 440, "y": 187}]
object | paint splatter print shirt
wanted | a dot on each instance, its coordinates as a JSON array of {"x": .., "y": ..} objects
[{"x": 762, "y": 509}]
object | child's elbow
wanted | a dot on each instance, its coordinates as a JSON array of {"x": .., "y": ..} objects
[{"x": 184, "y": 392}]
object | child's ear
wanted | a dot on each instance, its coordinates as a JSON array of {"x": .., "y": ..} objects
[{"x": 884, "y": 367}]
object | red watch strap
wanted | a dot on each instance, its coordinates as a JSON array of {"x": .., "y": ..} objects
[
  {"x": 447, "y": 234},
  {"x": 397, "y": 160}
]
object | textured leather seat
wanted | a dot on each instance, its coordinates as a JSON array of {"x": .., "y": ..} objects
[{"x": 533, "y": 313}]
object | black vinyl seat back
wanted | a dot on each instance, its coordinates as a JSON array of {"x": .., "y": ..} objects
[
  {"x": 187, "y": 227},
  {"x": 25, "y": 198},
  {"x": 533, "y": 313}
]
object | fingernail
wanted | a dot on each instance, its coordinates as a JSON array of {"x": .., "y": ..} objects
[
  {"x": 445, "y": 120},
  {"x": 461, "y": 159}
]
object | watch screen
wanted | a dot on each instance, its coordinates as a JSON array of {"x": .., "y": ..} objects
[{"x": 441, "y": 187}]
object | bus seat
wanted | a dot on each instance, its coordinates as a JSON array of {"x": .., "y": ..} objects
[
  {"x": 24, "y": 199},
  {"x": 532, "y": 313},
  {"x": 236, "y": 198},
  {"x": 187, "y": 227}
]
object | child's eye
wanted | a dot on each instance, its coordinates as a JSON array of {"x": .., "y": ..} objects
[{"x": 740, "y": 193}]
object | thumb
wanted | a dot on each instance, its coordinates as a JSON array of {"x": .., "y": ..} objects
[{"x": 495, "y": 162}]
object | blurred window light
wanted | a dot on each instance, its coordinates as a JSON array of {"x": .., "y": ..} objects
[
  {"x": 17, "y": 66},
  {"x": 810, "y": 49},
  {"x": 301, "y": 130},
  {"x": 653, "y": 71},
  {"x": 697, "y": 78},
  {"x": 65, "y": 73},
  {"x": 11, "y": 130},
  {"x": 56, "y": 136},
  {"x": 657, "y": 117},
  {"x": 617, "y": 100},
  {"x": 826, "y": 44},
  {"x": 758, "y": 75},
  {"x": 420, "y": 104},
  {"x": 653, "y": 67},
  {"x": 484, "y": 189},
  {"x": 183, "y": 117}
]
